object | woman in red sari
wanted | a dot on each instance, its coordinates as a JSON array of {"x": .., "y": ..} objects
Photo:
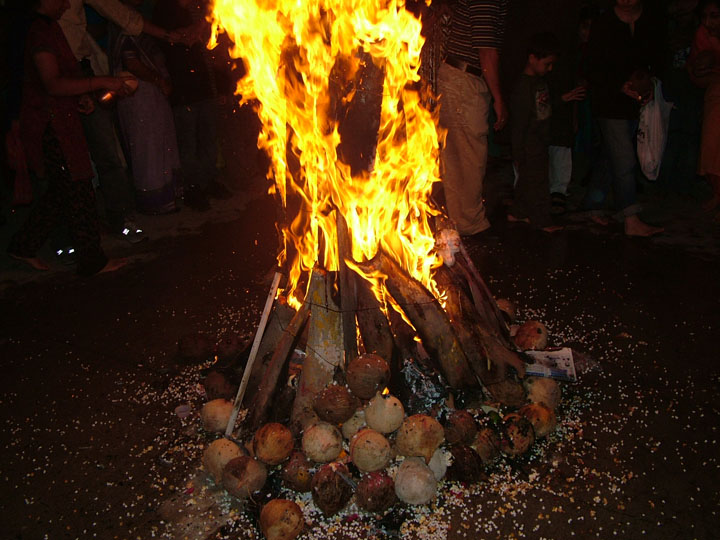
[{"x": 54, "y": 95}]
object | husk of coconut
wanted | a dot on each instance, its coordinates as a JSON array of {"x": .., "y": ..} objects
[
  {"x": 467, "y": 466},
  {"x": 384, "y": 413},
  {"x": 217, "y": 385},
  {"x": 508, "y": 309},
  {"x": 532, "y": 335},
  {"x": 273, "y": 443},
  {"x": 415, "y": 483},
  {"x": 281, "y": 519},
  {"x": 242, "y": 476},
  {"x": 367, "y": 374},
  {"x": 335, "y": 404},
  {"x": 419, "y": 435},
  {"x": 543, "y": 390},
  {"x": 297, "y": 472},
  {"x": 370, "y": 450},
  {"x": 322, "y": 442},
  {"x": 508, "y": 392},
  {"x": 518, "y": 435},
  {"x": 354, "y": 424},
  {"x": 376, "y": 492},
  {"x": 217, "y": 455},
  {"x": 330, "y": 491},
  {"x": 487, "y": 445},
  {"x": 541, "y": 417},
  {"x": 460, "y": 428},
  {"x": 215, "y": 415}
]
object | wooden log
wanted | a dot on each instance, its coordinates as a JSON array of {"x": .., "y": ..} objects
[
  {"x": 323, "y": 352},
  {"x": 348, "y": 291},
  {"x": 373, "y": 324},
  {"x": 428, "y": 318}
]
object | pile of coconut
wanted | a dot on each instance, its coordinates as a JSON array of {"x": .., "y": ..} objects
[{"x": 365, "y": 446}]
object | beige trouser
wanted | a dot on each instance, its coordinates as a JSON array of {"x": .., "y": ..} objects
[{"x": 464, "y": 107}]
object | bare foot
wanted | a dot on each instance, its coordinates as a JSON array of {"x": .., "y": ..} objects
[
  {"x": 37, "y": 264},
  {"x": 112, "y": 265},
  {"x": 552, "y": 228},
  {"x": 513, "y": 219},
  {"x": 600, "y": 220},
  {"x": 635, "y": 227}
]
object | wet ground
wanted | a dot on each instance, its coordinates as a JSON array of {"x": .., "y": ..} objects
[{"x": 92, "y": 447}]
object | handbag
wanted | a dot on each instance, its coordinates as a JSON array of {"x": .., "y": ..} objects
[{"x": 652, "y": 132}]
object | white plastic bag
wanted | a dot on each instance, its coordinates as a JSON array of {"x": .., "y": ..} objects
[{"x": 652, "y": 132}]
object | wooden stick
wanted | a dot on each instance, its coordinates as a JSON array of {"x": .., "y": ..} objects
[
  {"x": 253, "y": 353},
  {"x": 348, "y": 290}
]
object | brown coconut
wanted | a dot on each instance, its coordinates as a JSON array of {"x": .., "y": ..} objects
[
  {"x": 384, "y": 413},
  {"x": 532, "y": 335},
  {"x": 297, "y": 472},
  {"x": 487, "y": 445},
  {"x": 281, "y": 519},
  {"x": 367, "y": 374},
  {"x": 330, "y": 491},
  {"x": 370, "y": 450},
  {"x": 460, "y": 428},
  {"x": 242, "y": 476},
  {"x": 419, "y": 435},
  {"x": 541, "y": 417},
  {"x": 543, "y": 390},
  {"x": 467, "y": 466},
  {"x": 217, "y": 385},
  {"x": 415, "y": 483},
  {"x": 335, "y": 404},
  {"x": 518, "y": 435},
  {"x": 508, "y": 392},
  {"x": 352, "y": 426},
  {"x": 322, "y": 442},
  {"x": 217, "y": 455},
  {"x": 376, "y": 492},
  {"x": 273, "y": 443},
  {"x": 215, "y": 415}
]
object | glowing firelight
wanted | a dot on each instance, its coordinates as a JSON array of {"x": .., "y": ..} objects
[{"x": 291, "y": 49}]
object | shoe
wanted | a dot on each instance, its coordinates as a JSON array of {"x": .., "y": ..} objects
[
  {"x": 67, "y": 256},
  {"x": 195, "y": 198},
  {"x": 558, "y": 204},
  {"x": 216, "y": 190},
  {"x": 132, "y": 233}
]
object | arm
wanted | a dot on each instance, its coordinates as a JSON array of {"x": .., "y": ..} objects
[
  {"x": 490, "y": 64},
  {"x": 56, "y": 85},
  {"x": 128, "y": 19}
]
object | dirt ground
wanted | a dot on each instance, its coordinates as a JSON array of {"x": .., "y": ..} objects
[{"x": 92, "y": 446}]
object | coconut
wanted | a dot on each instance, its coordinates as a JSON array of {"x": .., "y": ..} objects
[
  {"x": 352, "y": 426},
  {"x": 532, "y": 335},
  {"x": 487, "y": 445},
  {"x": 543, "y": 390},
  {"x": 215, "y": 415},
  {"x": 281, "y": 519},
  {"x": 322, "y": 442},
  {"x": 217, "y": 455},
  {"x": 438, "y": 464},
  {"x": 508, "y": 392},
  {"x": 367, "y": 374},
  {"x": 297, "y": 472},
  {"x": 415, "y": 483},
  {"x": 518, "y": 435},
  {"x": 330, "y": 491},
  {"x": 466, "y": 464},
  {"x": 376, "y": 492},
  {"x": 217, "y": 385},
  {"x": 508, "y": 308},
  {"x": 242, "y": 476},
  {"x": 541, "y": 417},
  {"x": 419, "y": 435},
  {"x": 384, "y": 413},
  {"x": 335, "y": 404},
  {"x": 273, "y": 443},
  {"x": 370, "y": 450},
  {"x": 460, "y": 428}
]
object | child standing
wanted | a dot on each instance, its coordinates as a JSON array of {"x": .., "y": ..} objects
[{"x": 530, "y": 130}]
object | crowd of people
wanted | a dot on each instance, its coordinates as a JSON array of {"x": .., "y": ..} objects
[{"x": 151, "y": 80}]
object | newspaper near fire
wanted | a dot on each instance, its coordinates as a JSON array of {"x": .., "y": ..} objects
[{"x": 553, "y": 363}]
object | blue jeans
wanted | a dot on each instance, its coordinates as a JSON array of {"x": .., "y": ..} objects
[{"x": 616, "y": 169}]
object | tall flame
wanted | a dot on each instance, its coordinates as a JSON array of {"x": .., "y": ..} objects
[{"x": 292, "y": 50}]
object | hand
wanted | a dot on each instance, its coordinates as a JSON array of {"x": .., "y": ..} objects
[
  {"x": 86, "y": 105},
  {"x": 501, "y": 113},
  {"x": 629, "y": 91},
  {"x": 576, "y": 94},
  {"x": 165, "y": 86}
]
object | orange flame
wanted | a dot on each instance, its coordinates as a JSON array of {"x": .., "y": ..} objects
[{"x": 290, "y": 49}]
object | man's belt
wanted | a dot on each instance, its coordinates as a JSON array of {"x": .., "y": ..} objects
[{"x": 462, "y": 65}]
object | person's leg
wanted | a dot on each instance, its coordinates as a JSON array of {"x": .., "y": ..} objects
[
  {"x": 536, "y": 192},
  {"x": 192, "y": 174},
  {"x": 207, "y": 129},
  {"x": 560, "y": 168},
  {"x": 464, "y": 110}
]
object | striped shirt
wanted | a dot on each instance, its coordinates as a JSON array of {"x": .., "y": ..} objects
[{"x": 476, "y": 24}]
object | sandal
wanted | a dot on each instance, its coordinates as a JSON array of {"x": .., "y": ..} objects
[{"x": 557, "y": 204}]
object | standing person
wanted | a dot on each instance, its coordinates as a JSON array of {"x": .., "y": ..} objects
[
  {"x": 626, "y": 46},
  {"x": 54, "y": 93},
  {"x": 704, "y": 67},
  {"x": 530, "y": 121},
  {"x": 468, "y": 81},
  {"x": 99, "y": 125},
  {"x": 193, "y": 100},
  {"x": 146, "y": 120}
]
